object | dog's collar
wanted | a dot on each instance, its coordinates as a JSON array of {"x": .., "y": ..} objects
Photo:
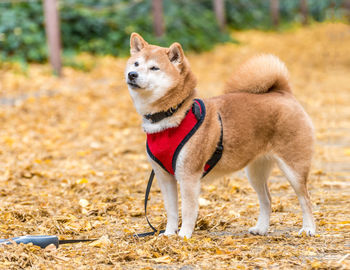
[{"x": 158, "y": 116}]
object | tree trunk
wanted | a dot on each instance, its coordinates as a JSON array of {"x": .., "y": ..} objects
[
  {"x": 52, "y": 27},
  {"x": 346, "y": 6},
  {"x": 158, "y": 20},
  {"x": 219, "y": 9},
  {"x": 274, "y": 10},
  {"x": 304, "y": 12}
]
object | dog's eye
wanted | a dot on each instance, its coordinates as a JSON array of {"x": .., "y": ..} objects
[
  {"x": 154, "y": 68},
  {"x": 136, "y": 64}
]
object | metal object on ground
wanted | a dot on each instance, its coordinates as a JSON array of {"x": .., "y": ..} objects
[{"x": 41, "y": 240}]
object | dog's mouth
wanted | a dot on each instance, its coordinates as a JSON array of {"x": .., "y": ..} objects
[{"x": 134, "y": 85}]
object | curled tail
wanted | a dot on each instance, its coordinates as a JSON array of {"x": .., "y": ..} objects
[{"x": 260, "y": 74}]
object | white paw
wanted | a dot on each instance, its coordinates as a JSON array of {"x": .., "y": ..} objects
[
  {"x": 258, "y": 230},
  {"x": 185, "y": 233},
  {"x": 169, "y": 232},
  {"x": 309, "y": 231}
]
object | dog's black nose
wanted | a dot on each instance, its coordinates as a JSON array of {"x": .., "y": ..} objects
[{"x": 132, "y": 75}]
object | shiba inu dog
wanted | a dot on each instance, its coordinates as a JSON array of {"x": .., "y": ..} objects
[{"x": 255, "y": 124}]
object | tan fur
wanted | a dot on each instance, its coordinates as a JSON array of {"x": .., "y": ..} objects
[
  {"x": 258, "y": 75},
  {"x": 260, "y": 118}
]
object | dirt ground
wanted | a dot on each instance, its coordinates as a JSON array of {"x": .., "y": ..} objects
[{"x": 73, "y": 164}]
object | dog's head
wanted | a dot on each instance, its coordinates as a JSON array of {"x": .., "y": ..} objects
[{"x": 153, "y": 73}]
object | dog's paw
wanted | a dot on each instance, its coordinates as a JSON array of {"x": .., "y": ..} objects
[
  {"x": 309, "y": 231},
  {"x": 169, "y": 232},
  {"x": 185, "y": 233},
  {"x": 258, "y": 230}
]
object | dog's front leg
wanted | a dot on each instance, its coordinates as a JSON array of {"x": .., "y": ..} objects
[
  {"x": 190, "y": 189},
  {"x": 168, "y": 186}
]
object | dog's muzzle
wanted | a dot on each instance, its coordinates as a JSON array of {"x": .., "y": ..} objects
[{"x": 132, "y": 76}]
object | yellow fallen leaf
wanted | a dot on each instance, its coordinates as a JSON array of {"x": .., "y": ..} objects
[
  {"x": 75, "y": 226},
  {"x": 50, "y": 247},
  {"x": 229, "y": 241},
  {"x": 82, "y": 181},
  {"x": 203, "y": 202},
  {"x": 316, "y": 264},
  {"x": 83, "y": 203},
  {"x": 83, "y": 153},
  {"x": 102, "y": 242},
  {"x": 72, "y": 217},
  {"x": 163, "y": 259},
  {"x": 127, "y": 231},
  {"x": 211, "y": 188},
  {"x": 233, "y": 213},
  {"x": 87, "y": 226},
  {"x": 47, "y": 161},
  {"x": 84, "y": 124},
  {"x": 318, "y": 172},
  {"x": 142, "y": 253},
  {"x": 337, "y": 222},
  {"x": 207, "y": 240},
  {"x": 221, "y": 252},
  {"x": 9, "y": 141},
  {"x": 31, "y": 99}
]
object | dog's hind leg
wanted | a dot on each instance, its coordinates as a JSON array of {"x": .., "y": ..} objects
[
  {"x": 297, "y": 177},
  {"x": 258, "y": 172}
]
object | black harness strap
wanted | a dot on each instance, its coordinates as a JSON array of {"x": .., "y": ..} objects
[
  {"x": 218, "y": 151},
  {"x": 199, "y": 111}
]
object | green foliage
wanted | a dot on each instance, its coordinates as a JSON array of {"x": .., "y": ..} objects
[
  {"x": 247, "y": 14},
  {"x": 104, "y": 26},
  {"x": 21, "y": 31},
  {"x": 243, "y": 14},
  {"x": 191, "y": 24}
]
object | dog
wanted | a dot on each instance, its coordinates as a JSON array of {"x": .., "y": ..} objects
[{"x": 255, "y": 124}]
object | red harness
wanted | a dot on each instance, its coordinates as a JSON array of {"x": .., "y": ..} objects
[{"x": 164, "y": 147}]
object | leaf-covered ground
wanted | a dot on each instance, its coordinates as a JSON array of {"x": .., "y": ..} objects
[{"x": 73, "y": 163}]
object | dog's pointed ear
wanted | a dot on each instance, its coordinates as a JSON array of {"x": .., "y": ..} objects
[
  {"x": 137, "y": 43},
  {"x": 176, "y": 54}
]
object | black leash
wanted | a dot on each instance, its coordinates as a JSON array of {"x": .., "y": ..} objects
[
  {"x": 44, "y": 240},
  {"x": 148, "y": 190}
]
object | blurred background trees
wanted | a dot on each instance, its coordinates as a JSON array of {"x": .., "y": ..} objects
[
  {"x": 104, "y": 26},
  {"x": 158, "y": 20},
  {"x": 219, "y": 9},
  {"x": 275, "y": 12}
]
